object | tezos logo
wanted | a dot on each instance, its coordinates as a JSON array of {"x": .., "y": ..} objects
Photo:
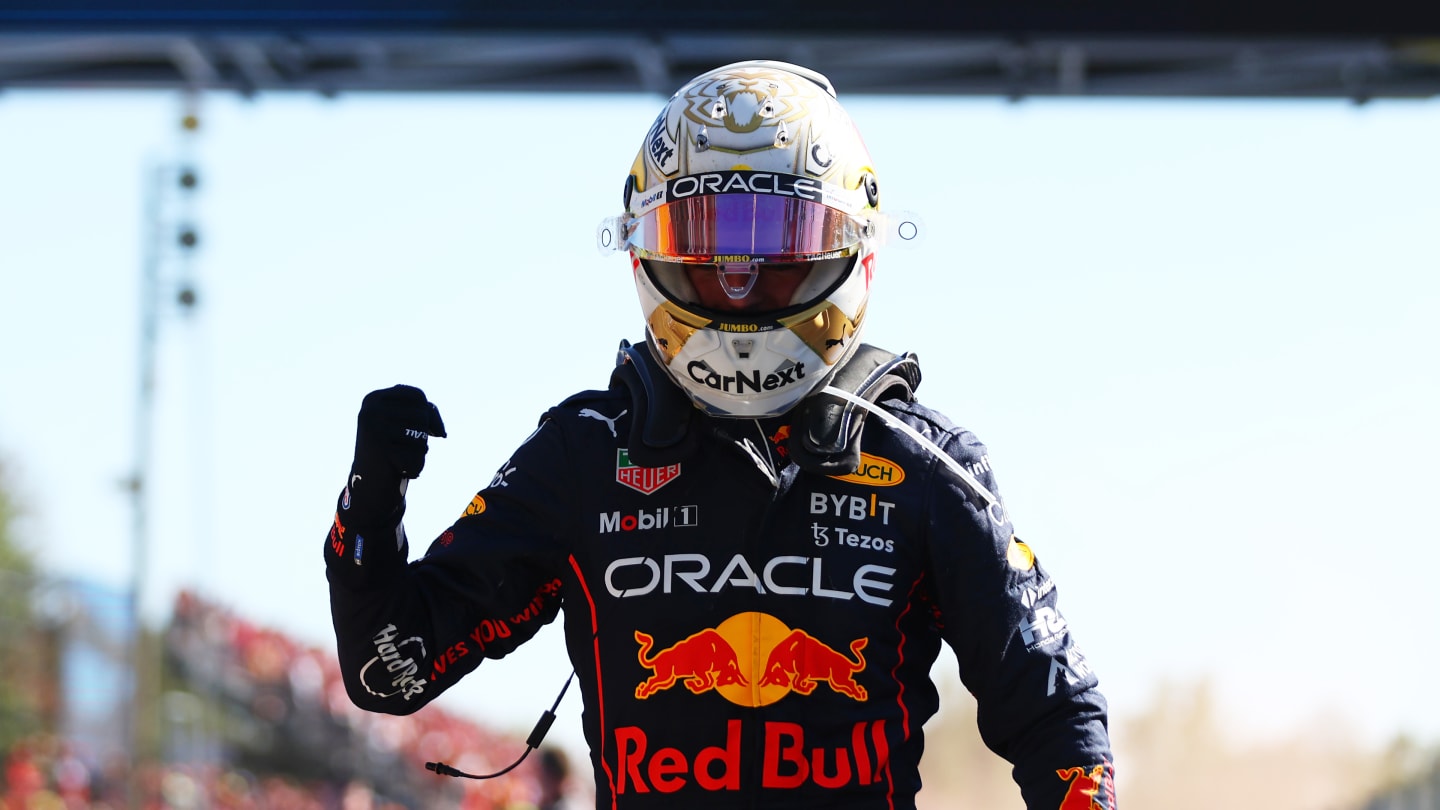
[{"x": 645, "y": 519}]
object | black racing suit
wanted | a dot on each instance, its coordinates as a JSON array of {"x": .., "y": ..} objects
[{"x": 746, "y": 632}]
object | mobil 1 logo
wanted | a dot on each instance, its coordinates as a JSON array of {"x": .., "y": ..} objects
[{"x": 662, "y": 517}]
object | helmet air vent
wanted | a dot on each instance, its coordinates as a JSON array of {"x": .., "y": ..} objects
[
  {"x": 782, "y": 135},
  {"x": 767, "y": 108}
]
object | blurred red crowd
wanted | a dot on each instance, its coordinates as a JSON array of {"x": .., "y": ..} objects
[
  {"x": 47, "y": 773},
  {"x": 275, "y": 730}
]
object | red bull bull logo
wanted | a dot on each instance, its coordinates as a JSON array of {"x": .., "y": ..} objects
[
  {"x": 751, "y": 659},
  {"x": 801, "y": 662},
  {"x": 702, "y": 661},
  {"x": 1085, "y": 791},
  {"x": 779, "y": 439}
]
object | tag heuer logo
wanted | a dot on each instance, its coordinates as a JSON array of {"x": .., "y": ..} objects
[{"x": 643, "y": 479}]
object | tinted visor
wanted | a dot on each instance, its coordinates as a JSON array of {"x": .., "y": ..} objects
[
  {"x": 759, "y": 289},
  {"x": 723, "y": 228}
]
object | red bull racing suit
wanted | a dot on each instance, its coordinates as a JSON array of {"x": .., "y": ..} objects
[{"x": 746, "y": 632}]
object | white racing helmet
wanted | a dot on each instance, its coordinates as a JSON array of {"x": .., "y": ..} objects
[{"x": 751, "y": 220}]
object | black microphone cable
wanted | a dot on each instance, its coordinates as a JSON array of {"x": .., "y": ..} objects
[{"x": 542, "y": 726}]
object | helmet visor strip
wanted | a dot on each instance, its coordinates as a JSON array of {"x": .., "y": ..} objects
[{"x": 744, "y": 228}]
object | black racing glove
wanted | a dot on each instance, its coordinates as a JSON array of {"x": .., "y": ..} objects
[{"x": 391, "y": 438}]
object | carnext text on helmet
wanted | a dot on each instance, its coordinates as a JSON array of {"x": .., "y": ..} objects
[{"x": 737, "y": 382}]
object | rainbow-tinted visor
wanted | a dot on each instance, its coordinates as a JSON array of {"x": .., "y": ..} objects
[
  {"x": 742, "y": 216},
  {"x": 743, "y": 228}
]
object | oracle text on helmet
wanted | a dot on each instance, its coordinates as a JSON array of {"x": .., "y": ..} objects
[{"x": 745, "y": 182}]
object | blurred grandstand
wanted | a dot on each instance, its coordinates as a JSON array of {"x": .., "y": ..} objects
[{"x": 247, "y": 717}]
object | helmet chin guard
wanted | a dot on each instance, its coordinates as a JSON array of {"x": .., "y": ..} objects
[{"x": 753, "y": 365}]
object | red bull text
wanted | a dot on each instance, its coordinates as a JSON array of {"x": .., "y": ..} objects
[
  {"x": 786, "y": 762},
  {"x": 751, "y": 659}
]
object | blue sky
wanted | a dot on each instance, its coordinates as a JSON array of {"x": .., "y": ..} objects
[{"x": 1197, "y": 336}]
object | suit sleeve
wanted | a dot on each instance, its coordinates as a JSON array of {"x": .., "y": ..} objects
[
  {"x": 1038, "y": 702},
  {"x": 407, "y": 630}
]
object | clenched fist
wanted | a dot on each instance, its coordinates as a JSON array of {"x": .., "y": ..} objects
[
  {"x": 391, "y": 438},
  {"x": 393, "y": 430}
]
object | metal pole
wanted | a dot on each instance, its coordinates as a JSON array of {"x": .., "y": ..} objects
[
  {"x": 167, "y": 226},
  {"x": 140, "y": 513}
]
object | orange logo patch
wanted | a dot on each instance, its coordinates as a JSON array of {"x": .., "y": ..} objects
[
  {"x": 874, "y": 471},
  {"x": 1019, "y": 555}
]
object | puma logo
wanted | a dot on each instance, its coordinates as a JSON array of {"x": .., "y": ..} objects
[{"x": 593, "y": 414}]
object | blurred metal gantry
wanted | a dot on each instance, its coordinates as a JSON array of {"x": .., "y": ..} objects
[{"x": 1081, "y": 64}]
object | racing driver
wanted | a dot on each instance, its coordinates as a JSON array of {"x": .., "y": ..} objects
[{"x": 757, "y": 534}]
